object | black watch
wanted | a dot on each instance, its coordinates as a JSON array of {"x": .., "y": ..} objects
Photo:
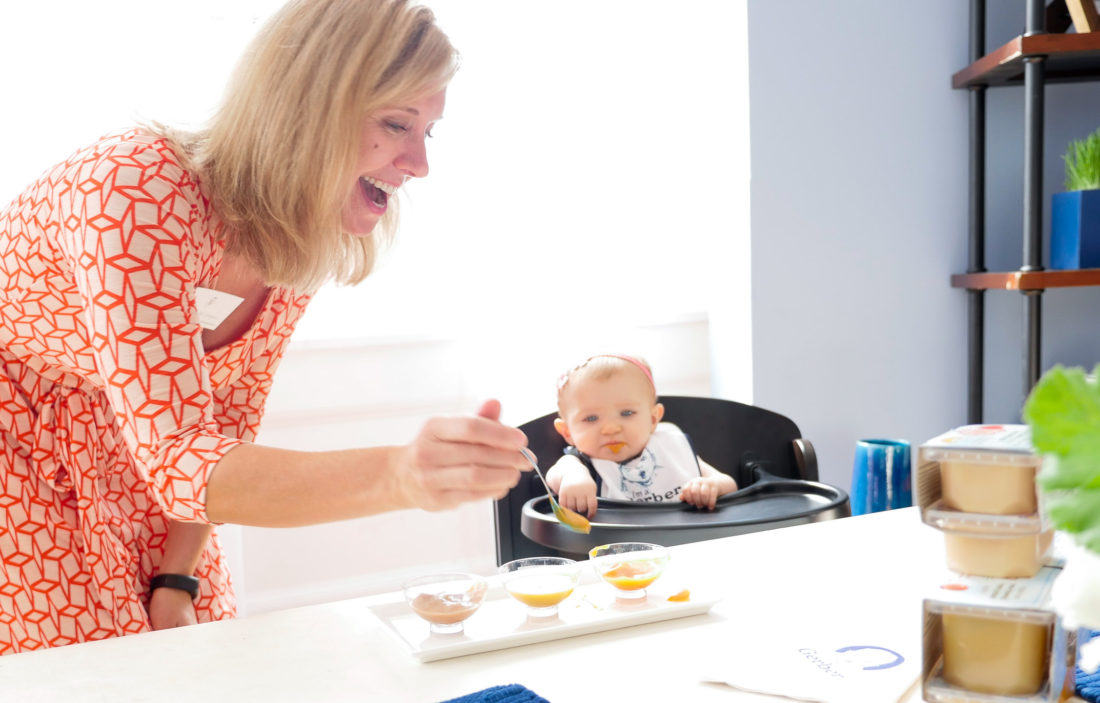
[{"x": 179, "y": 582}]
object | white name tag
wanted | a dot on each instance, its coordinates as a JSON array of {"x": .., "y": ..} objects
[{"x": 214, "y": 306}]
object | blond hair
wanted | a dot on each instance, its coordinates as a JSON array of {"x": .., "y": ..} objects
[
  {"x": 278, "y": 156},
  {"x": 602, "y": 367}
]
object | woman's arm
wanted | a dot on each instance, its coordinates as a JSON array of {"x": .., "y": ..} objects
[
  {"x": 452, "y": 461},
  {"x": 170, "y": 607}
]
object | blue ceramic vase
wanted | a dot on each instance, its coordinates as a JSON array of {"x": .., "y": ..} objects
[
  {"x": 881, "y": 476},
  {"x": 1075, "y": 230}
]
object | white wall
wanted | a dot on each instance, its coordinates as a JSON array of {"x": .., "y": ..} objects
[
  {"x": 589, "y": 175},
  {"x": 859, "y": 218}
]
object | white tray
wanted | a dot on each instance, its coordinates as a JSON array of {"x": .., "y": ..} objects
[{"x": 502, "y": 621}]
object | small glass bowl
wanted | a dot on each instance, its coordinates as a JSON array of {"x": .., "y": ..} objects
[
  {"x": 541, "y": 583},
  {"x": 445, "y": 600},
  {"x": 630, "y": 567}
]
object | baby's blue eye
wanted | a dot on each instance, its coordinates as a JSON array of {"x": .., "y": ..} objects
[
  {"x": 627, "y": 413},
  {"x": 590, "y": 418}
]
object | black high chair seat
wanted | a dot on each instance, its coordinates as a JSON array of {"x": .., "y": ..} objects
[{"x": 775, "y": 469}]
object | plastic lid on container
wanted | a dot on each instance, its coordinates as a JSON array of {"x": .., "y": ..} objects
[
  {"x": 1029, "y": 616},
  {"x": 982, "y": 524},
  {"x": 983, "y": 444},
  {"x": 959, "y": 593}
]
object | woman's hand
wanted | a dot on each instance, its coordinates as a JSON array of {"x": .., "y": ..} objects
[
  {"x": 459, "y": 459},
  {"x": 171, "y": 607}
]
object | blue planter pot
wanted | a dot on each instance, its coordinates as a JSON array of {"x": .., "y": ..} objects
[{"x": 1075, "y": 230}]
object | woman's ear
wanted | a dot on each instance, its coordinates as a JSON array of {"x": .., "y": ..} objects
[
  {"x": 563, "y": 429},
  {"x": 658, "y": 413}
]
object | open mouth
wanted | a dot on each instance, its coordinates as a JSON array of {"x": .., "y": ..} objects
[{"x": 376, "y": 191}]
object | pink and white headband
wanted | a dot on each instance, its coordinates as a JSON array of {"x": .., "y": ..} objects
[{"x": 630, "y": 359}]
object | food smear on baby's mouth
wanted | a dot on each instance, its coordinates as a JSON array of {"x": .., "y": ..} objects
[{"x": 616, "y": 447}]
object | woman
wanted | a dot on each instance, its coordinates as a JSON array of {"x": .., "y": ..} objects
[{"x": 148, "y": 288}]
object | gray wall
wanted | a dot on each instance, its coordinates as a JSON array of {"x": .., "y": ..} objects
[{"x": 859, "y": 212}]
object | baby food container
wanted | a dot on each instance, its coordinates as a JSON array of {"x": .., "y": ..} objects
[
  {"x": 977, "y": 485},
  {"x": 996, "y": 641}
]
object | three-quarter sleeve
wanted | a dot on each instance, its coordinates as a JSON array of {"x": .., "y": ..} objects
[{"x": 128, "y": 236}]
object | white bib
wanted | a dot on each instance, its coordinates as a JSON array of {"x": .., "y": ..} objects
[{"x": 657, "y": 474}]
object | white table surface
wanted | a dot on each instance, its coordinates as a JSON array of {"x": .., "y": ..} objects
[{"x": 809, "y": 576}]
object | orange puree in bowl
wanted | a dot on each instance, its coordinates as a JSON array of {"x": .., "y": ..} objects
[{"x": 632, "y": 575}]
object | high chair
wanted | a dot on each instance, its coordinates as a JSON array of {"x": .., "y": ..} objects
[{"x": 774, "y": 466}]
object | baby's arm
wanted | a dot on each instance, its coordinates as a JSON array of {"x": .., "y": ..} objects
[
  {"x": 576, "y": 490},
  {"x": 703, "y": 492}
]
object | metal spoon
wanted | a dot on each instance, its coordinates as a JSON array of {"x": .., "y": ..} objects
[{"x": 571, "y": 519}]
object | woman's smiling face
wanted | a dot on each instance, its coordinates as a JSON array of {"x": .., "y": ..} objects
[{"x": 393, "y": 149}]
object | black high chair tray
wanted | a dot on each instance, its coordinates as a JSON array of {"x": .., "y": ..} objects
[{"x": 764, "y": 505}]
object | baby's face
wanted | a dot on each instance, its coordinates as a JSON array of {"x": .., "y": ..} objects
[{"x": 610, "y": 418}]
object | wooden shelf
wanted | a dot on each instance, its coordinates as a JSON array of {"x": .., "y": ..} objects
[
  {"x": 1069, "y": 57},
  {"x": 1026, "y": 280}
]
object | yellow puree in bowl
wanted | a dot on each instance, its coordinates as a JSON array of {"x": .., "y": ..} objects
[{"x": 541, "y": 591}]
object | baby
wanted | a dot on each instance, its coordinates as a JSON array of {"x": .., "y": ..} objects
[{"x": 609, "y": 414}]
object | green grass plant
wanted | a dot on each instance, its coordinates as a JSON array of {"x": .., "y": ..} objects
[{"x": 1083, "y": 163}]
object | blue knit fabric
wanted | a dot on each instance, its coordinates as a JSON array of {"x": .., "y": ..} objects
[
  {"x": 511, "y": 693},
  {"x": 1088, "y": 685}
]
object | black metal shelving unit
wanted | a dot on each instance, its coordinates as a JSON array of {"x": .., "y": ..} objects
[{"x": 1030, "y": 60}]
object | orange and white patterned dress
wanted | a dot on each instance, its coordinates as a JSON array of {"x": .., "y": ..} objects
[{"x": 111, "y": 415}]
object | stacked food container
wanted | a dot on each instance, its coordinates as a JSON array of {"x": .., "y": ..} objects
[{"x": 990, "y": 632}]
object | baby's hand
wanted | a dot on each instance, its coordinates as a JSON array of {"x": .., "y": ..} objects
[
  {"x": 578, "y": 493},
  {"x": 702, "y": 492}
]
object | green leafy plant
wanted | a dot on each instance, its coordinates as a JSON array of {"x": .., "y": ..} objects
[
  {"x": 1063, "y": 411},
  {"x": 1083, "y": 163}
]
